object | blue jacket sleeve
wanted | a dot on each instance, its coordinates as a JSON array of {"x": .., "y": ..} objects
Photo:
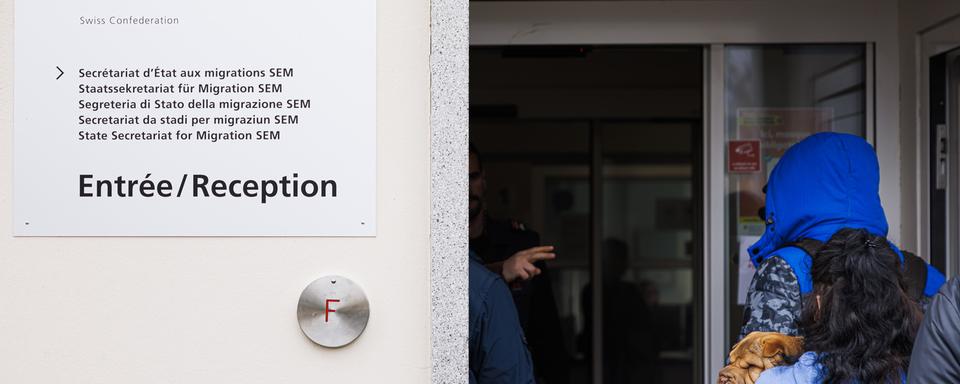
[
  {"x": 805, "y": 371},
  {"x": 503, "y": 355},
  {"x": 498, "y": 351}
]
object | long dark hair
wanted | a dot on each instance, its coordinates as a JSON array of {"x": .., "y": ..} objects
[{"x": 863, "y": 325}]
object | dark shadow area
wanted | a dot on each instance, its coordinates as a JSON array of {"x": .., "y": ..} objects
[{"x": 596, "y": 150}]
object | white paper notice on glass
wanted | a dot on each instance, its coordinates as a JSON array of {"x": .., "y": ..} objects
[
  {"x": 746, "y": 269},
  {"x": 187, "y": 118}
]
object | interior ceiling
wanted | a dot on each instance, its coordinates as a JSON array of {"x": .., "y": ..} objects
[
  {"x": 598, "y": 68},
  {"x": 588, "y": 82},
  {"x": 647, "y": 99}
]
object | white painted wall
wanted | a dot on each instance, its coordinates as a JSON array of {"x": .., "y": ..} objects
[{"x": 222, "y": 310}]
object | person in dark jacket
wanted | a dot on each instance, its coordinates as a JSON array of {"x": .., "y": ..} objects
[
  {"x": 498, "y": 350},
  {"x": 936, "y": 353},
  {"x": 824, "y": 183},
  {"x": 515, "y": 253}
]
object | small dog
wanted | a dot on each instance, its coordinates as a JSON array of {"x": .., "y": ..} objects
[{"x": 758, "y": 352}]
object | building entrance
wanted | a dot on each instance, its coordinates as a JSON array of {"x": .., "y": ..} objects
[{"x": 597, "y": 151}]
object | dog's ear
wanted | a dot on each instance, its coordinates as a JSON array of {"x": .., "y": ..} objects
[{"x": 779, "y": 344}]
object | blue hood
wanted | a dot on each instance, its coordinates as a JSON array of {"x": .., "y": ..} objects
[{"x": 824, "y": 183}]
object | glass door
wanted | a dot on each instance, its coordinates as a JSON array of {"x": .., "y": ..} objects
[
  {"x": 775, "y": 95},
  {"x": 649, "y": 250},
  {"x": 597, "y": 150}
]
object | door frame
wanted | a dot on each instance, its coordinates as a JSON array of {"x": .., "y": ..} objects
[
  {"x": 448, "y": 48},
  {"x": 712, "y": 24},
  {"x": 935, "y": 39}
]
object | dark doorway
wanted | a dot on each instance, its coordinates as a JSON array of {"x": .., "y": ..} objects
[
  {"x": 944, "y": 129},
  {"x": 598, "y": 149}
]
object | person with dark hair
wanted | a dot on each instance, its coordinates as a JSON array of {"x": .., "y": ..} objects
[
  {"x": 824, "y": 183},
  {"x": 936, "y": 354},
  {"x": 858, "y": 323},
  {"x": 507, "y": 248}
]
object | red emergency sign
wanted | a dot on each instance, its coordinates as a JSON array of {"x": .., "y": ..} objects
[{"x": 743, "y": 156}]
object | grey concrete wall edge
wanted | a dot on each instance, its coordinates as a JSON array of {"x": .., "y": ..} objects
[{"x": 449, "y": 61}]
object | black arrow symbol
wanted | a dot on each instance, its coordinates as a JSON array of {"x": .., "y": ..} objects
[{"x": 61, "y": 73}]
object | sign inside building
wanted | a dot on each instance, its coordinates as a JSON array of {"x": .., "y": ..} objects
[
  {"x": 743, "y": 156},
  {"x": 186, "y": 118}
]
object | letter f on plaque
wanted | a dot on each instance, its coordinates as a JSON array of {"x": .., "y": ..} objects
[{"x": 327, "y": 310}]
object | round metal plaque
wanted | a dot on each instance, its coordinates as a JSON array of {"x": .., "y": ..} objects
[{"x": 333, "y": 311}]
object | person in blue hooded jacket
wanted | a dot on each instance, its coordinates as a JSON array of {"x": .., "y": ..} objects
[
  {"x": 822, "y": 184},
  {"x": 498, "y": 350}
]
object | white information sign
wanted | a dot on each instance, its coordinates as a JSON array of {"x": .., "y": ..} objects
[{"x": 195, "y": 118}]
